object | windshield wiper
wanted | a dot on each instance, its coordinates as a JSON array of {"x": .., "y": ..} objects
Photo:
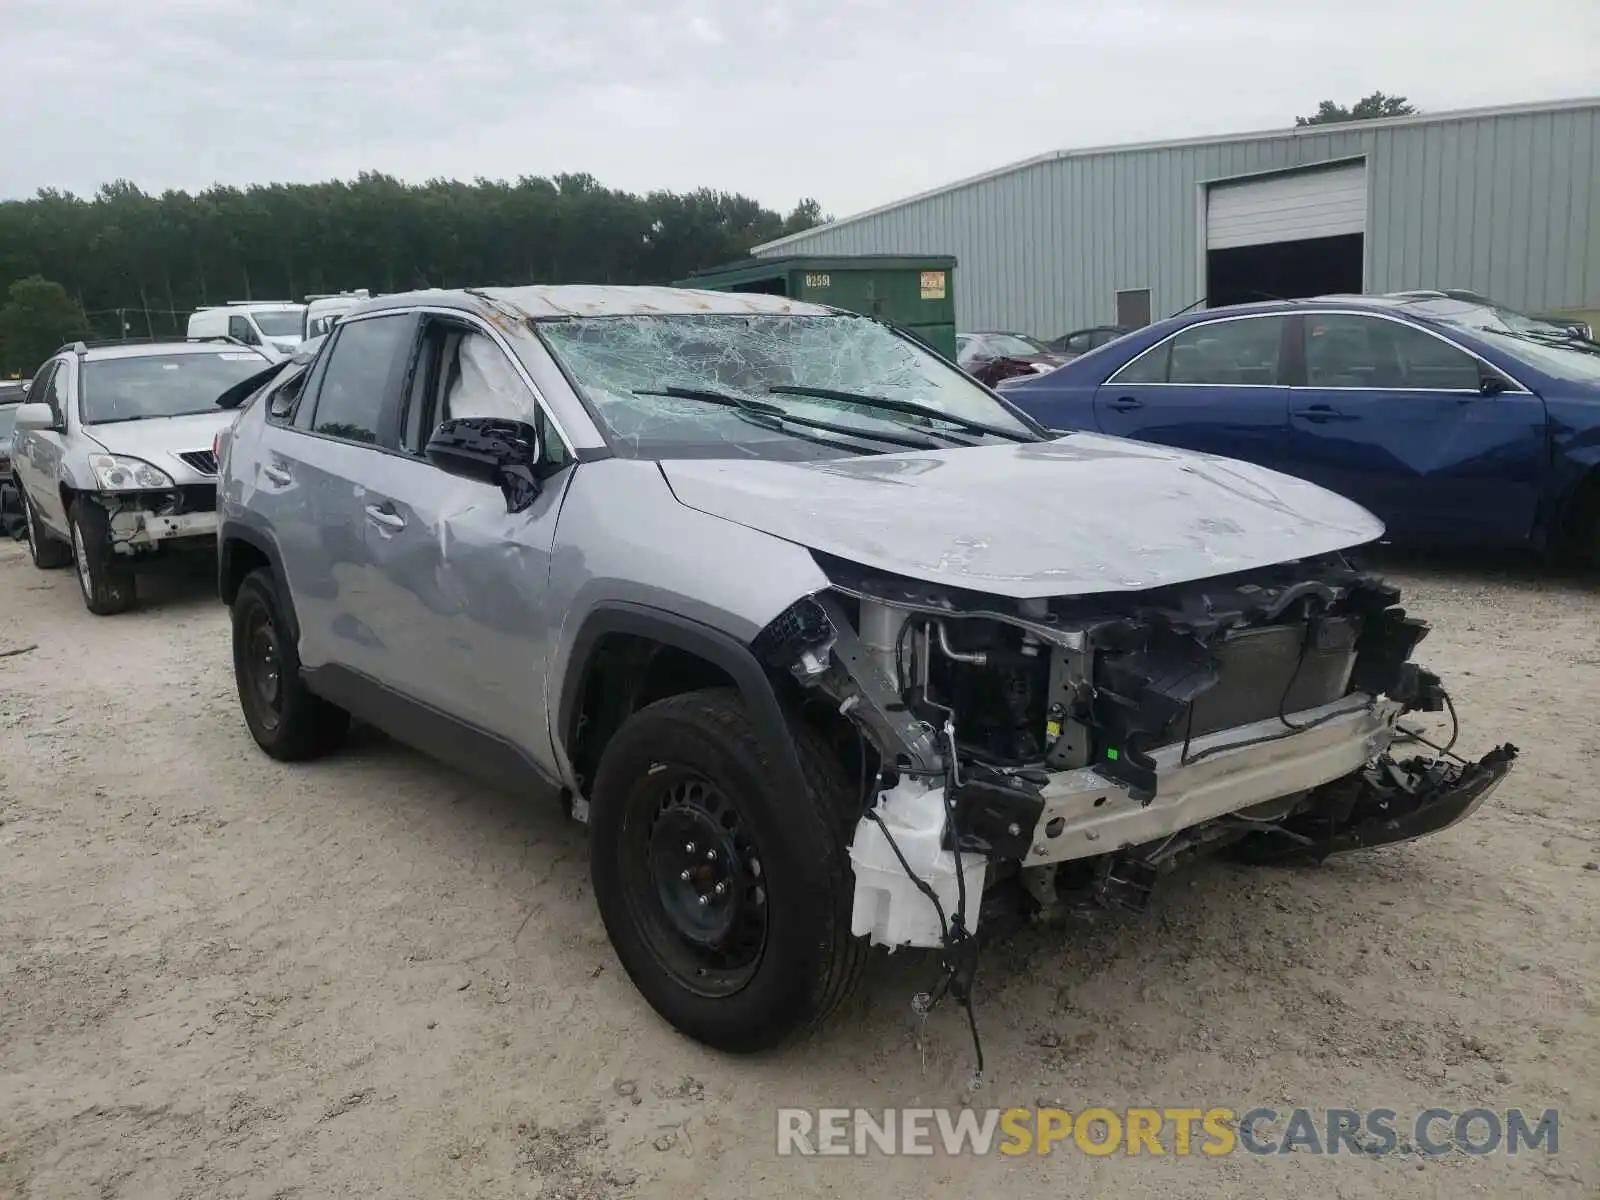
[
  {"x": 908, "y": 408},
  {"x": 192, "y": 412},
  {"x": 771, "y": 416}
]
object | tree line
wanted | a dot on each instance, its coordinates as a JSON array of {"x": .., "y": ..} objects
[{"x": 129, "y": 263}]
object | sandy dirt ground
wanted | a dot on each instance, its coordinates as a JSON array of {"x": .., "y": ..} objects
[{"x": 368, "y": 976}]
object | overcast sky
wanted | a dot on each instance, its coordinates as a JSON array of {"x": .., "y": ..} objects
[{"x": 857, "y": 102}]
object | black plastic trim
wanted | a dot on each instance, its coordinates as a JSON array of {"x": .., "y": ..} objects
[
  {"x": 683, "y": 633},
  {"x": 230, "y": 535},
  {"x": 467, "y": 748}
]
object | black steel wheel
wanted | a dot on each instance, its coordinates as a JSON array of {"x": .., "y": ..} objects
[
  {"x": 261, "y": 687},
  {"x": 726, "y": 895},
  {"x": 286, "y": 718},
  {"x": 704, "y": 906}
]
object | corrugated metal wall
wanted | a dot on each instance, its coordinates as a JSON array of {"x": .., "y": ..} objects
[{"x": 1505, "y": 204}]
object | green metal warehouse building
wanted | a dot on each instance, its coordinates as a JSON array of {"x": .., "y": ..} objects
[{"x": 1503, "y": 201}]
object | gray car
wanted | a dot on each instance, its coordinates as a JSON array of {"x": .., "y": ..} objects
[
  {"x": 114, "y": 456},
  {"x": 12, "y": 393},
  {"x": 827, "y": 644}
]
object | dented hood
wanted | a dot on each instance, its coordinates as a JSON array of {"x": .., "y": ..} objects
[
  {"x": 1075, "y": 516},
  {"x": 159, "y": 439}
]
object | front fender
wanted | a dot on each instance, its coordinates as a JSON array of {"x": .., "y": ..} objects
[
  {"x": 1575, "y": 461},
  {"x": 703, "y": 641},
  {"x": 627, "y": 552}
]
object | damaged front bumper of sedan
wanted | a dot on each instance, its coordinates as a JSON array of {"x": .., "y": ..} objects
[{"x": 1058, "y": 756}]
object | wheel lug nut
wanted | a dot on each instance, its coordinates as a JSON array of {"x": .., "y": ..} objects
[
  {"x": 684, "y": 875},
  {"x": 722, "y": 888},
  {"x": 688, "y": 847},
  {"x": 711, "y": 856},
  {"x": 704, "y": 900}
]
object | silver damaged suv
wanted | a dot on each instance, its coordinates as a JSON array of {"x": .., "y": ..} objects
[
  {"x": 827, "y": 644},
  {"x": 114, "y": 456}
]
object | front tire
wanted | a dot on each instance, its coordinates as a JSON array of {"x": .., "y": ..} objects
[
  {"x": 106, "y": 584},
  {"x": 47, "y": 553},
  {"x": 287, "y": 719},
  {"x": 726, "y": 897}
]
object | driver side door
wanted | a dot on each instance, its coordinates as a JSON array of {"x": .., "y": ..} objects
[
  {"x": 468, "y": 624},
  {"x": 1396, "y": 417}
]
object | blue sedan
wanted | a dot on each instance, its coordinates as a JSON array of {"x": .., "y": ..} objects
[{"x": 1454, "y": 422}]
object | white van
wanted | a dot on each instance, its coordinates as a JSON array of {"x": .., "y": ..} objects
[
  {"x": 324, "y": 309},
  {"x": 274, "y": 326}
]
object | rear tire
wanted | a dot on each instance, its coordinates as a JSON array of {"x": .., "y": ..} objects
[
  {"x": 287, "y": 719},
  {"x": 48, "y": 553},
  {"x": 726, "y": 897},
  {"x": 107, "y": 585}
]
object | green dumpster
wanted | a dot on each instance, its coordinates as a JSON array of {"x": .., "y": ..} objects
[{"x": 916, "y": 293}]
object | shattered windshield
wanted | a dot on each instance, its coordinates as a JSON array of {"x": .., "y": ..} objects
[{"x": 730, "y": 377}]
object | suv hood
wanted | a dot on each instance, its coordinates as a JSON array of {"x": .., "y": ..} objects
[
  {"x": 1076, "y": 516},
  {"x": 159, "y": 440}
]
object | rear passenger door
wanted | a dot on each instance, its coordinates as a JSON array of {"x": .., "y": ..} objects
[
  {"x": 1216, "y": 386},
  {"x": 321, "y": 485},
  {"x": 465, "y": 617}
]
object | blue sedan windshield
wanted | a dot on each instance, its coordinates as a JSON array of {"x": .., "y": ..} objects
[{"x": 1565, "y": 358}]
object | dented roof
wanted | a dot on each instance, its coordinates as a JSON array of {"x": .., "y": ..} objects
[{"x": 599, "y": 300}]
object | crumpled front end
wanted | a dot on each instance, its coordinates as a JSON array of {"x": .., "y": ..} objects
[
  {"x": 1060, "y": 755},
  {"x": 139, "y": 522}
]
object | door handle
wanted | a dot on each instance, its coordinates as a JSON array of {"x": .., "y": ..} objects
[
  {"x": 1125, "y": 404},
  {"x": 386, "y": 517},
  {"x": 278, "y": 475},
  {"x": 1320, "y": 414}
]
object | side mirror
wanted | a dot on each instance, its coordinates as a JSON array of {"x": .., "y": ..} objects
[
  {"x": 490, "y": 450},
  {"x": 35, "y": 416}
]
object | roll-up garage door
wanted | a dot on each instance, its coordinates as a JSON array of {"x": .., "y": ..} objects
[{"x": 1291, "y": 207}]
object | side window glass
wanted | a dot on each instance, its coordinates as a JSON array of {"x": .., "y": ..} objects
[
  {"x": 460, "y": 373},
  {"x": 1078, "y": 343},
  {"x": 303, "y": 408},
  {"x": 57, "y": 397},
  {"x": 478, "y": 380},
  {"x": 1345, "y": 350},
  {"x": 240, "y": 329},
  {"x": 1430, "y": 362},
  {"x": 1238, "y": 352},
  {"x": 281, "y": 400},
  {"x": 40, "y": 390},
  {"x": 354, "y": 385},
  {"x": 1149, "y": 367}
]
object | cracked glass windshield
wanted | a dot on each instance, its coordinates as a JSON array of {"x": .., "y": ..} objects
[{"x": 714, "y": 385}]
